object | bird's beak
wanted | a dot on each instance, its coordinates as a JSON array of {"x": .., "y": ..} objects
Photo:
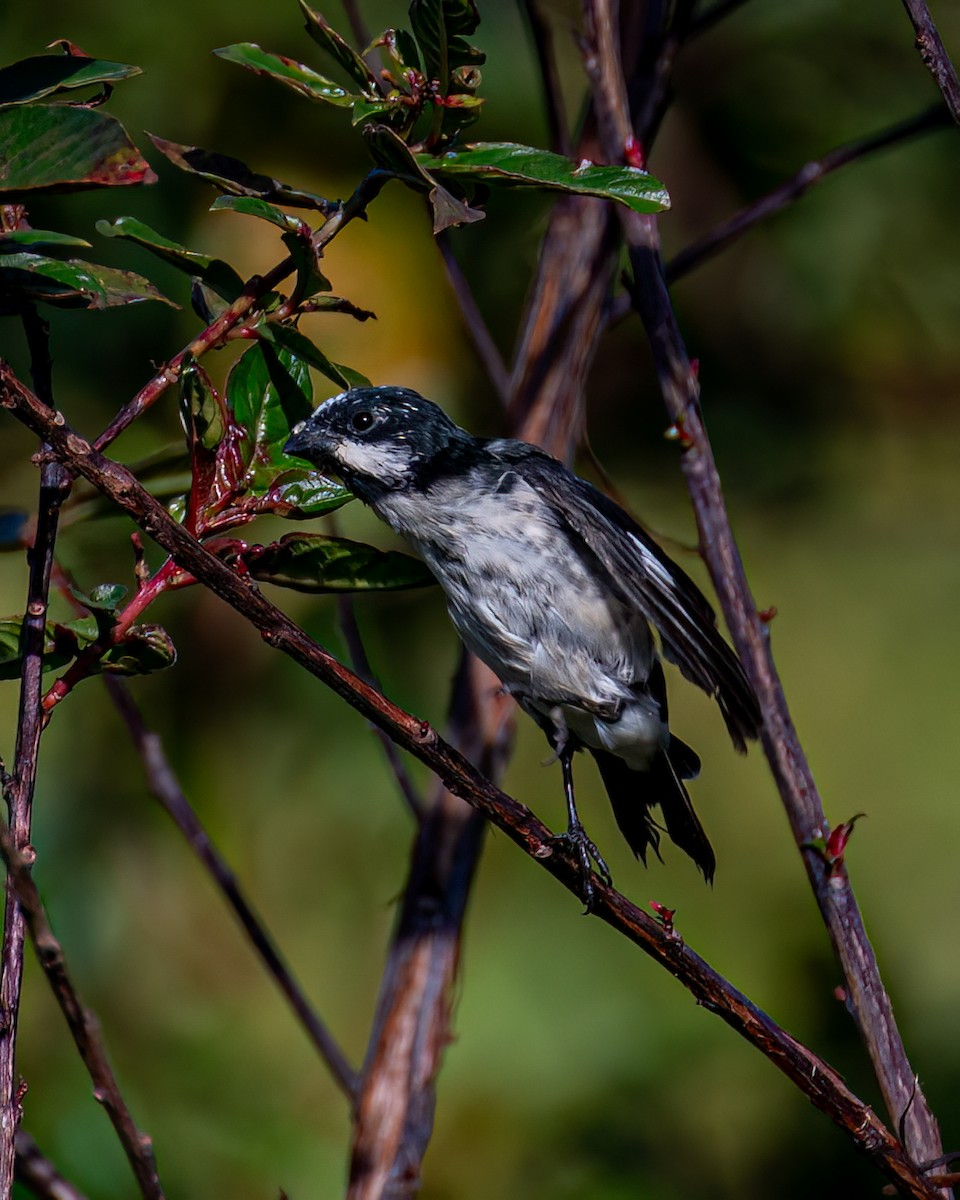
[{"x": 309, "y": 443}]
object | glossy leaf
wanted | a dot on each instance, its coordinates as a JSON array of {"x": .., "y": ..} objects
[
  {"x": 201, "y": 409},
  {"x": 523, "y": 166},
  {"x": 14, "y": 240},
  {"x": 215, "y": 273},
  {"x": 439, "y": 27},
  {"x": 342, "y": 53},
  {"x": 144, "y": 648},
  {"x": 285, "y": 337},
  {"x": 234, "y": 177},
  {"x": 60, "y": 148},
  {"x": 268, "y": 393},
  {"x": 301, "y": 78},
  {"x": 70, "y": 283},
  {"x": 46, "y": 74},
  {"x": 393, "y": 154},
  {"x": 104, "y": 597},
  {"x": 253, "y": 206},
  {"x": 312, "y": 562}
]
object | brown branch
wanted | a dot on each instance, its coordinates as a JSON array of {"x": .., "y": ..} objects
[
  {"x": 542, "y": 37},
  {"x": 809, "y": 175},
  {"x": 934, "y": 55},
  {"x": 165, "y": 788},
  {"x": 18, "y": 790},
  {"x": 412, "y": 1024},
  {"x": 814, "y": 1078},
  {"x": 713, "y": 16},
  {"x": 82, "y": 1023},
  {"x": 490, "y": 357},
  {"x": 678, "y": 381},
  {"x": 38, "y": 1174},
  {"x": 361, "y": 665}
]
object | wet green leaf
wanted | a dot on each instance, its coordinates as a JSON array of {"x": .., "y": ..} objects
[
  {"x": 342, "y": 53},
  {"x": 70, "y": 283},
  {"x": 104, "y": 597},
  {"x": 234, "y": 177},
  {"x": 59, "y": 148},
  {"x": 45, "y": 74},
  {"x": 36, "y": 239},
  {"x": 523, "y": 166},
  {"x": 215, "y": 273},
  {"x": 312, "y": 562},
  {"x": 301, "y": 78}
]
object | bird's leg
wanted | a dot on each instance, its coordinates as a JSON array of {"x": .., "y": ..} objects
[{"x": 585, "y": 850}]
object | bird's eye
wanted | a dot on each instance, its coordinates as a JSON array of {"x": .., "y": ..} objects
[{"x": 362, "y": 421}]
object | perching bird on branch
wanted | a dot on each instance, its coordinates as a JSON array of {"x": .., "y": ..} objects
[{"x": 555, "y": 588}]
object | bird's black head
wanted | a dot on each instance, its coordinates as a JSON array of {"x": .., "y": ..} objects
[{"x": 375, "y": 439}]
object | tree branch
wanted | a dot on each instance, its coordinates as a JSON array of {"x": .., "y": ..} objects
[
  {"x": 38, "y": 1174},
  {"x": 490, "y": 357},
  {"x": 810, "y": 1074},
  {"x": 163, "y": 785},
  {"x": 798, "y": 185},
  {"x": 868, "y": 1000},
  {"x": 82, "y": 1023},
  {"x": 934, "y": 55},
  {"x": 542, "y": 37}
]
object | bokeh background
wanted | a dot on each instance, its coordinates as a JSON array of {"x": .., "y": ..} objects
[{"x": 830, "y": 362}]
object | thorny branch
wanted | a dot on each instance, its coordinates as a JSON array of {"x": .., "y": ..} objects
[
  {"x": 165, "y": 788},
  {"x": 810, "y": 1074},
  {"x": 868, "y": 1000}
]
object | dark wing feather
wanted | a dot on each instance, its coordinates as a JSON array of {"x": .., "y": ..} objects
[{"x": 644, "y": 578}]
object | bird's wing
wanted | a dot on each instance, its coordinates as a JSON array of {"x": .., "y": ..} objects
[{"x": 641, "y": 576}]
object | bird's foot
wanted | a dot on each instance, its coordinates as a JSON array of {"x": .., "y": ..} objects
[{"x": 585, "y": 851}]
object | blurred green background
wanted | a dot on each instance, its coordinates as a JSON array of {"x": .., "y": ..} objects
[{"x": 829, "y": 360}]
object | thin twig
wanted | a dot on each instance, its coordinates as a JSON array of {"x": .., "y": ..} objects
[
  {"x": 38, "y": 1174},
  {"x": 82, "y": 1023},
  {"x": 165, "y": 788},
  {"x": 490, "y": 357},
  {"x": 361, "y": 665},
  {"x": 18, "y": 792},
  {"x": 256, "y": 289},
  {"x": 934, "y": 55},
  {"x": 713, "y": 16},
  {"x": 811, "y": 1075},
  {"x": 542, "y": 36},
  {"x": 809, "y": 175},
  {"x": 678, "y": 381}
]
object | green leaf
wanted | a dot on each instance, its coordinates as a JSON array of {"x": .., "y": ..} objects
[
  {"x": 59, "y": 646},
  {"x": 363, "y": 109},
  {"x": 342, "y": 53},
  {"x": 45, "y": 74},
  {"x": 234, "y": 177},
  {"x": 311, "y": 562},
  {"x": 438, "y": 26},
  {"x": 59, "y": 148},
  {"x": 70, "y": 283},
  {"x": 268, "y": 393},
  {"x": 215, "y": 273},
  {"x": 393, "y": 154},
  {"x": 200, "y": 407},
  {"x": 104, "y": 597},
  {"x": 301, "y": 78},
  {"x": 33, "y": 239},
  {"x": 143, "y": 650},
  {"x": 253, "y": 206},
  {"x": 285, "y": 337},
  {"x": 523, "y": 166}
]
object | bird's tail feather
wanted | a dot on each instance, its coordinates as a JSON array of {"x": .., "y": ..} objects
[{"x": 633, "y": 793}]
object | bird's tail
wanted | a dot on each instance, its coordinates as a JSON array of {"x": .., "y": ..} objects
[{"x": 633, "y": 794}]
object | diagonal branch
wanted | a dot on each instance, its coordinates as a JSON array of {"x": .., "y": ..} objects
[
  {"x": 868, "y": 1000},
  {"x": 813, "y": 1077},
  {"x": 165, "y": 788},
  {"x": 38, "y": 1174},
  {"x": 82, "y": 1023},
  {"x": 809, "y": 175},
  {"x": 934, "y": 55}
]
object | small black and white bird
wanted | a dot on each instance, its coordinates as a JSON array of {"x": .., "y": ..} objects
[{"x": 555, "y": 588}]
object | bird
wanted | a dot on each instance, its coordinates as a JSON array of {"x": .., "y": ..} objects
[{"x": 558, "y": 590}]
